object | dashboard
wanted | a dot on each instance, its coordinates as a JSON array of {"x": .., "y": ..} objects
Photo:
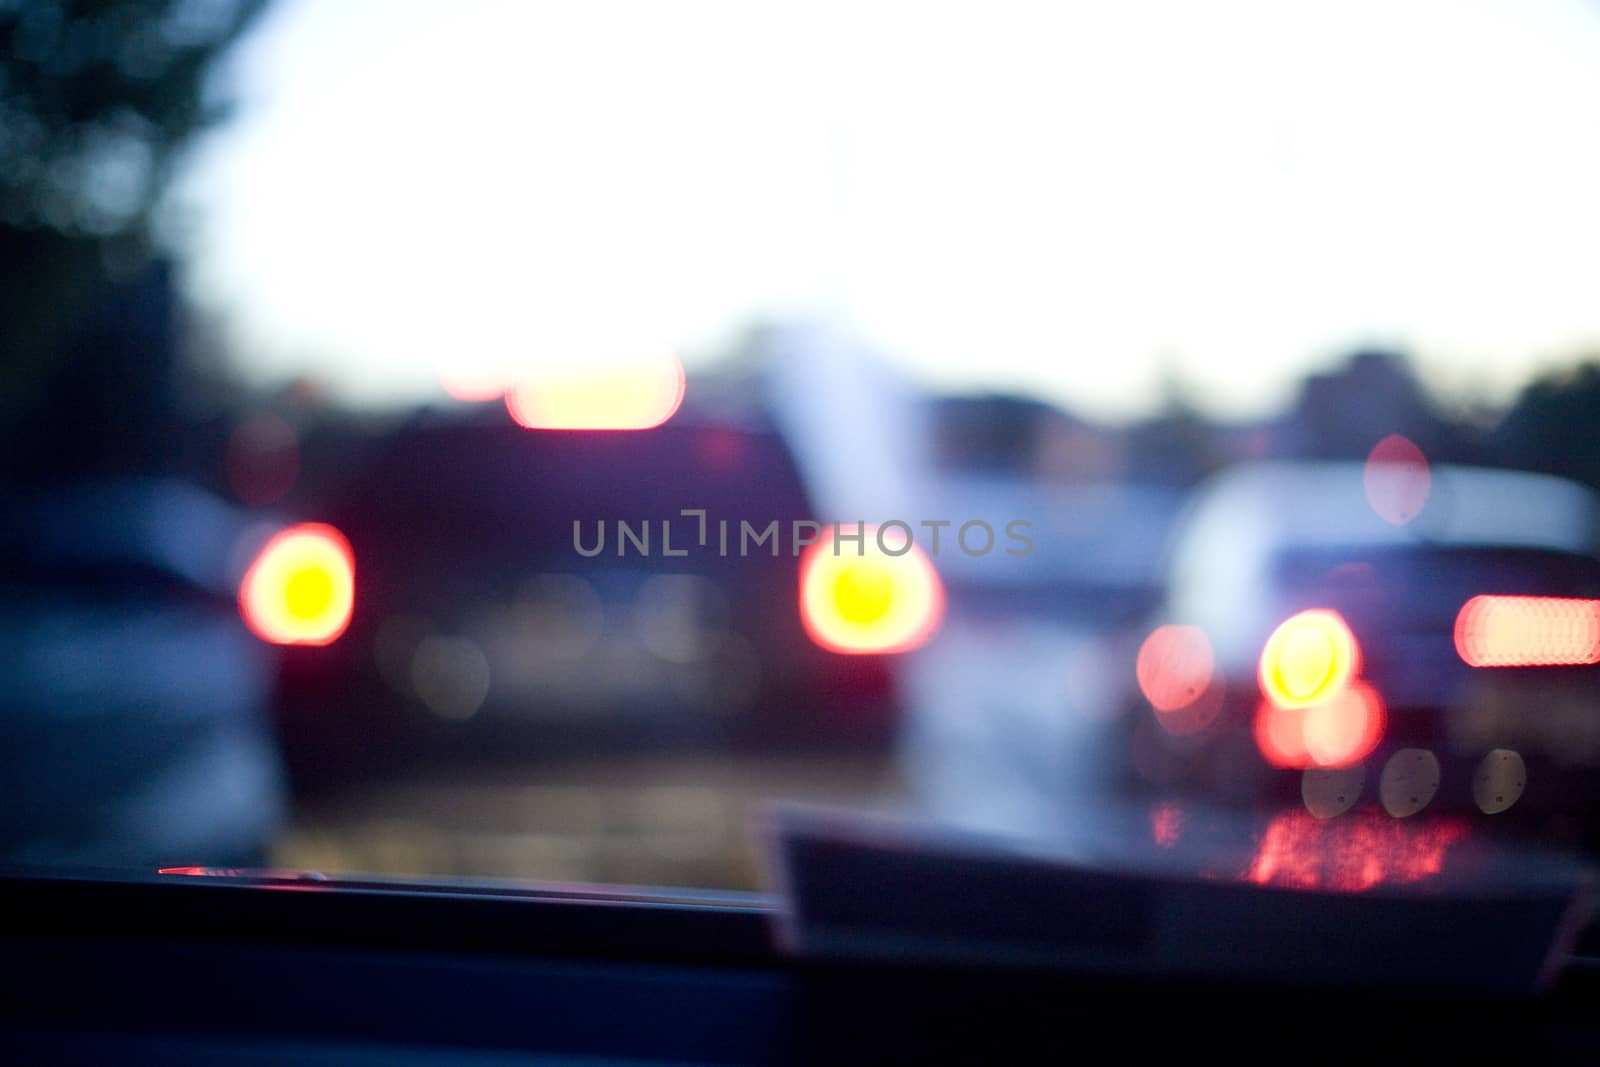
[{"x": 112, "y": 969}]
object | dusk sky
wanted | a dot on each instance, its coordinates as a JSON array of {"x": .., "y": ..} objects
[{"x": 1069, "y": 200}]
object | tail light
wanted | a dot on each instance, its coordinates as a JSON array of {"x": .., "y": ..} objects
[
  {"x": 1528, "y": 631},
  {"x": 871, "y": 600},
  {"x": 1315, "y": 712},
  {"x": 636, "y": 396},
  {"x": 1308, "y": 659},
  {"x": 1340, "y": 731},
  {"x": 300, "y": 588}
]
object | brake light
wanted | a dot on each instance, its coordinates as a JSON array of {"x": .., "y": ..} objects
[
  {"x": 1308, "y": 658},
  {"x": 301, "y": 587},
  {"x": 1528, "y": 631},
  {"x": 871, "y": 602},
  {"x": 635, "y": 396},
  {"x": 1338, "y": 732}
]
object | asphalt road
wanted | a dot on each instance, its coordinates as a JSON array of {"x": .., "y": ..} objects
[{"x": 684, "y": 820}]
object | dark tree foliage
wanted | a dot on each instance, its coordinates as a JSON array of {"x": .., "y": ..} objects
[
  {"x": 97, "y": 101},
  {"x": 1342, "y": 414},
  {"x": 1554, "y": 426}
]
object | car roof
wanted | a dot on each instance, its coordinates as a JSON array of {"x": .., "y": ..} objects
[{"x": 1284, "y": 504}]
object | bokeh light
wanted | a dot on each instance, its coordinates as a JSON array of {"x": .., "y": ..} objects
[
  {"x": 1308, "y": 658},
  {"x": 1338, "y": 732},
  {"x": 1175, "y": 666},
  {"x": 1166, "y": 824},
  {"x": 1397, "y": 479},
  {"x": 1498, "y": 782},
  {"x": 450, "y": 675},
  {"x": 680, "y": 618},
  {"x": 874, "y": 602},
  {"x": 394, "y": 646},
  {"x": 636, "y": 395},
  {"x": 1330, "y": 792},
  {"x": 1409, "y": 782},
  {"x": 1280, "y": 735},
  {"x": 1299, "y": 851},
  {"x": 473, "y": 384},
  {"x": 301, "y": 587},
  {"x": 1345, "y": 727},
  {"x": 1176, "y": 671},
  {"x": 1528, "y": 631},
  {"x": 559, "y": 618},
  {"x": 263, "y": 459}
]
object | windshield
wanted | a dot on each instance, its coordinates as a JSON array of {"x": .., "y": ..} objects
[{"x": 529, "y": 441}]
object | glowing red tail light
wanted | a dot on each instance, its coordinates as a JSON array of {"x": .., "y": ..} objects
[
  {"x": 633, "y": 396},
  {"x": 1528, "y": 631},
  {"x": 1316, "y": 711},
  {"x": 869, "y": 601},
  {"x": 301, "y": 587},
  {"x": 1308, "y": 659}
]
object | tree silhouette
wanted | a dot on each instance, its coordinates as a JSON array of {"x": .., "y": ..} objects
[
  {"x": 97, "y": 100},
  {"x": 1341, "y": 414},
  {"x": 1554, "y": 426}
]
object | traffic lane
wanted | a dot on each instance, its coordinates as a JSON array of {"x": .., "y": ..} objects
[
  {"x": 669, "y": 819},
  {"x": 690, "y": 822},
  {"x": 1007, "y": 717}
]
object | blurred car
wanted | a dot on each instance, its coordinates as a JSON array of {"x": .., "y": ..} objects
[
  {"x": 480, "y": 627},
  {"x": 1441, "y": 655},
  {"x": 1007, "y": 702},
  {"x": 135, "y": 718}
]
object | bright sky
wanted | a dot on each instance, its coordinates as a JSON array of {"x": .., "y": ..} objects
[{"x": 1073, "y": 200}]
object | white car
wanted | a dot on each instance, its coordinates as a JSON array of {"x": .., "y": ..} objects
[{"x": 1441, "y": 656}]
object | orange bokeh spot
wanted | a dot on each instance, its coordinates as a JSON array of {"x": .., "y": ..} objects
[
  {"x": 1397, "y": 479},
  {"x": 1342, "y": 730},
  {"x": 1308, "y": 658},
  {"x": 873, "y": 602},
  {"x": 1280, "y": 735},
  {"x": 300, "y": 589},
  {"x": 1345, "y": 728},
  {"x": 633, "y": 396},
  {"x": 1174, "y": 666},
  {"x": 1528, "y": 631}
]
